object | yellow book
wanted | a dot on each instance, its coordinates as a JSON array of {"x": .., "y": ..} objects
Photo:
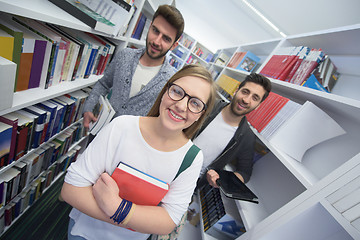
[
  {"x": 228, "y": 84},
  {"x": 7, "y": 45}
]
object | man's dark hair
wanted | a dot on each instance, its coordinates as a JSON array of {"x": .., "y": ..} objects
[
  {"x": 258, "y": 79},
  {"x": 173, "y": 16}
]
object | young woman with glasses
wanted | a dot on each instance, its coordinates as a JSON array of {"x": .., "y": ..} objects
[{"x": 155, "y": 144}]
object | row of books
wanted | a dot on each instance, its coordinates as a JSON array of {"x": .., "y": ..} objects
[
  {"x": 297, "y": 64},
  {"x": 28, "y": 128},
  {"x": 214, "y": 72},
  {"x": 141, "y": 27},
  {"x": 179, "y": 52},
  {"x": 19, "y": 181},
  {"x": 186, "y": 41},
  {"x": 175, "y": 63},
  {"x": 292, "y": 127},
  {"x": 245, "y": 61},
  {"x": 192, "y": 60},
  {"x": 221, "y": 58},
  {"x": 206, "y": 56},
  {"x": 198, "y": 52},
  {"x": 47, "y": 55},
  {"x": 217, "y": 222},
  {"x": 212, "y": 206},
  {"x": 108, "y": 16},
  {"x": 29, "y": 167}
]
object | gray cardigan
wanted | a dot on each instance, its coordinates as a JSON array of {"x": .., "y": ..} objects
[{"x": 118, "y": 77}]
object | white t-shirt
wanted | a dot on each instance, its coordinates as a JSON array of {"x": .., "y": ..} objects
[
  {"x": 121, "y": 140},
  {"x": 142, "y": 76},
  {"x": 217, "y": 129}
]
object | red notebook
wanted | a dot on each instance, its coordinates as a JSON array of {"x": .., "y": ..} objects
[{"x": 139, "y": 187}]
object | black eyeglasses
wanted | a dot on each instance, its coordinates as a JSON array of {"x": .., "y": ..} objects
[{"x": 194, "y": 104}]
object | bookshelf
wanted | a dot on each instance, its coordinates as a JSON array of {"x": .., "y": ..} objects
[
  {"x": 45, "y": 11},
  {"x": 296, "y": 197},
  {"x": 181, "y": 53},
  {"x": 187, "y": 52},
  {"x": 200, "y": 54}
]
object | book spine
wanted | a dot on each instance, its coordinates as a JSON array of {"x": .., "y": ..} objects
[{"x": 37, "y": 63}]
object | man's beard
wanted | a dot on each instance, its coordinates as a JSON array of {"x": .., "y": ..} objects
[
  {"x": 161, "y": 55},
  {"x": 233, "y": 108}
]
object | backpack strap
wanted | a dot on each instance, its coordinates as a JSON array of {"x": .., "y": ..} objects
[{"x": 188, "y": 159}]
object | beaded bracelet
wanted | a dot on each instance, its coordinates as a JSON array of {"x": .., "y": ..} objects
[{"x": 122, "y": 211}]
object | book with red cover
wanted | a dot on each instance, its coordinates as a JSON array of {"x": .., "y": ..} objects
[
  {"x": 23, "y": 138},
  {"x": 139, "y": 187},
  {"x": 260, "y": 117},
  {"x": 307, "y": 66},
  {"x": 235, "y": 60},
  {"x": 270, "y": 68},
  {"x": 289, "y": 62}
]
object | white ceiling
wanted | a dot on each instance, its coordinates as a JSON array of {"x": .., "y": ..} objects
[{"x": 226, "y": 23}]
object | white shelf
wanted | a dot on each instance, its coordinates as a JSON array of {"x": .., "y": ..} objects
[
  {"x": 45, "y": 11},
  {"x": 314, "y": 223},
  {"x": 177, "y": 57},
  {"x": 203, "y": 62},
  {"x": 35, "y": 95}
]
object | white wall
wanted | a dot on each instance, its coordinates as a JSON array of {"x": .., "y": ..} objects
[{"x": 226, "y": 23}]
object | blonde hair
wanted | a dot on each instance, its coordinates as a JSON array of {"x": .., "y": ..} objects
[{"x": 195, "y": 71}]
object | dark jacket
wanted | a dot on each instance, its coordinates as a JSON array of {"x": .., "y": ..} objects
[{"x": 240, "y": 149}]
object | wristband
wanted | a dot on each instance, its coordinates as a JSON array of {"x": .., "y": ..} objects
[
  {"x": 128, "y": 217},
  {"x": 122, "y": 211}
]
